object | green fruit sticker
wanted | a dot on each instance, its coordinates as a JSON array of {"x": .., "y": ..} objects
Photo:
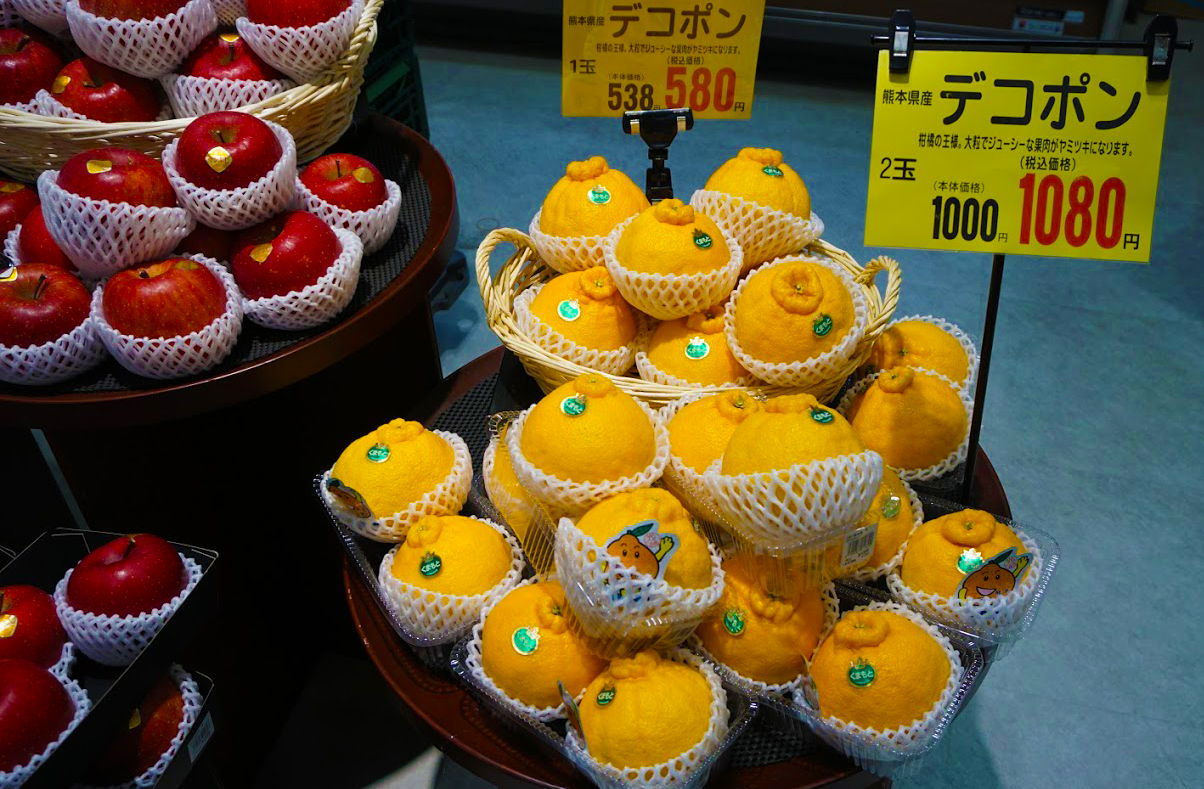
[
  {"x": 890, "y": 507},
  {"x": 606, "y": 695},
  {"x": 822, "y": 325},
  {"x": 702, "y": 240},
  {"x": 772, "y": 171},
  {"x": 430, "y": 565},
  {"x": 733, "y": 621},
  {"x": 822, "y": 416},
  {"x": 970, "y": 560},
  {"x": 697, "y": 348},
  {"x": 574, "y": 405},
  {"x": 861, "y": 673},
  {"x": 599, "y": 195},
  {"x": 569, "y": 309},
  {"x": 525, "y": 640},
  {"x": 378, "y": 453}
]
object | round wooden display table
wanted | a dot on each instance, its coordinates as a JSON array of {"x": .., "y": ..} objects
[{"x": 453, "y": 719}]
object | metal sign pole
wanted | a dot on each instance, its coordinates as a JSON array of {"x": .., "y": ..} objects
[{"x": 984, "y": 368}]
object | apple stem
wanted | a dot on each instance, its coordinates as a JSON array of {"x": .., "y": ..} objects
[
  {"x": 338, "y": 167},
  {"x": 129, "y": 547},
  {"x": 38, "y": 288}
]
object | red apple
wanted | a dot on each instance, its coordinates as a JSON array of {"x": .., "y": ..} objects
[
  {"x": 226, "y": 150},
  {"x": 144, "y": 738},
  {"x": 169, "y": 298},
  {"x": 35, "y": 708},
  {"x": 131, "y": 9},
  {"x": 127, "y": 576},
  {"x": 207, "y": 241},
  {"x": 227, "y": 56},
  {"x": 16, "y": 200},
  {"x": 284, "y": 254},
  {"x": 295, "y": 13},
  {"x": 36, "y": 245},
  {"x": 29, "y": 626},
  {"x": 347, "y": 181},
  {"x": 103, "y": 93},
  {"x": 119, "y": 176},
  {"x": 26, "y": 66},
  {"x": 40, "y": 303}
]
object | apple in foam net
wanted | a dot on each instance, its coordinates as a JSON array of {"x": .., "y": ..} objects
[
  {"x": 347, "y": 181},
  {"x": 35, "y": 708},
  {"x": 29, "y": 626},
  {"x": 145, "y": 736},
  {"x": 226, "y": 150},
  {"x": 297, "y": 13},
  {"x": 119, "y": 176},
  {"x": 168, "y": 298},
  {"x": 131, "y": 575},
  {"x": 227, "y": 56},
  {"x": 286, "y": 253},
  {"x": 36, "y": 245},
  {"x": 103, "y": 93},
  {"x": 26, "y": 66},
  {"x": 16, "y": 200},
  {"x": 131, "y": 9},
  {"x": 40, "y": 303}
]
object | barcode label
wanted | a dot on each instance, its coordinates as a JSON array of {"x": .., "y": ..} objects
[
  {"x": 858, "y": 546},
  {"x": 204, "y": 730}
]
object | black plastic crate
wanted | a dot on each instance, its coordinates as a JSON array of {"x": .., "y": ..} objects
[{"x": 392, "y": 78}]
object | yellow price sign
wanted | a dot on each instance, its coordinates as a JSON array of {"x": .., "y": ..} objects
[
  {"x": 631, "y": 55},
  {"x": 1035, "y": 154}
]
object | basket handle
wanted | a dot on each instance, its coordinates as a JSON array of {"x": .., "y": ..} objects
[
  {"x": 504, "y": 235},
  {"x": 890, "y": 297}
]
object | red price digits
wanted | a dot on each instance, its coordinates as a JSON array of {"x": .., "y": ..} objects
[
  {"x": 1046, "y": 199},
  {"x": 700, "y": 90}
]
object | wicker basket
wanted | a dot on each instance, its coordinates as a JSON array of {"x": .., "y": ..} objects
[
  {"x": 524, "y": 269},
  {"x": 316, "y": 113}
]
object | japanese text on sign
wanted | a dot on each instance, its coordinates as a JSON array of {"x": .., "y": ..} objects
[
  {"x": 1034, "y": 154},
  {"x": 630, "y": 55}
]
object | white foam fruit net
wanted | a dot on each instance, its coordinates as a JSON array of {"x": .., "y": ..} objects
[
  {"x": 567, "y": 253},
  {"x": 955, "y": 331},
  {"x": 66, "y": 662},
  {"x": 677, "y": 471},
  {"x": 868, "y": 573},
  {"x": 867, "y": 744},
  {"x": 447, "y": 498},
  {"x": 236, "y": 209},
  {"x": 319, "y": 302},
  {"x": 83, "y": 705},
  {"x": 798, "y": 507},
  {"x": 670, "y": 296},
  {"x": 175, "y": 357},
  {"x": 439, "y": 618},
  {"x": 193, "y": 96},
  {"x": 228, "y": 11},
  {"x": 681, "y": 769},
  {"x": 763, "y": 233},
  {"x": 374, "y": 227},
  {"x": 117, "y": 640},
  {"x": 77, "y": 351},
  {"x": 102, "y": 237},
  {"x": 574, "y": 498},
  {"x": 807, "y": 372},
  {"x": 988, "y": 618},
  {"x": 50, "y": 15},
  {"x": 143, "y": 47},
  {"x": 951, "y": 461},
  {"x": 650, "y": 372},
  {"x": 614, "y": 362},
  {"x": 10, "y": 245},
  {"x": 302, "y": 52}
]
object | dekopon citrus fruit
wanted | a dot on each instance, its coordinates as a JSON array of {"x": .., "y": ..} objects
[
  {"x": 700, "y": 431},
  {"x": 695, "y": 349},
  {"x": 945, "y": 550},
  {"x": 452, "y": 554},
  {"x": 590, "y": 200},
  {"x": 917, "y": 343},
  {"x": 585, "y": 307},
  {"x": 792, "y": 312},
  {"x": 395, "y": 465},
  {"x": 914, "y": 420},
  {"x": 672, "y": 238},
  {"x": 760, "y": 176}
]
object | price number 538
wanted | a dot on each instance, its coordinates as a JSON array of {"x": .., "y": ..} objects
[{"x": 698, "y": 89}]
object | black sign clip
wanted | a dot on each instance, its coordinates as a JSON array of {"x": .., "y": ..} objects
[
  {"x": 658, "y": 128},
  {"x": 902, "y": 40}
]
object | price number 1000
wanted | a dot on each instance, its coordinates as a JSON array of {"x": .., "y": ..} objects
[{"x": 953, "y": 218}]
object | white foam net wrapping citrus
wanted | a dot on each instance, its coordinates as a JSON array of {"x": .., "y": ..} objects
[
  {"x": 302, "y": 52},
  {"x": 800, "y": 506},
  {"x": 986, "y": 617},
  {"x": 476, "y": 667},
  {"x": 193, "y": 96},
  {"x": 816, "y": 369},
  {"x": 374, "y": 226},
  {"x": 511, "y": 507},
  {"x": 567, "y": 253},
  {"x": 46, "y": 104},
  {"x": 447, "y": 498},
  {"x": 175, "y": 357},
  {"x": 117, "y": 640},
  {"x": 66, "y": 662},
  {"x": 614, "y": 362},
  {"x": 228, "y": 11},
  {"x": 77, "y": 351},
  {"x": 102, "y": 237},
  {"x": 870, "y": 573},
  {"x": 763, "y": 233},
  {"x": 669, "y": 296},
  {"x": 860, "y": 743},
  {"x": 236, "y": 209},
  {"x": 319, "y": 302},
  {"x": 672, "y": 772},
  {"x": 650, "y": 372},
  {"x": 677, "y": 471},
  {"x": 754, "y": 687},
  {"x": 437, "y": 617},
  {"x": 143, "y": 47},
  {"x": 83, "y": 705},
  {"x": 951, "y": 461},
  {"x": 574, "y": 498},
  {"x": 955, "y": 331},
  {"x": 50, "y": 15}
]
